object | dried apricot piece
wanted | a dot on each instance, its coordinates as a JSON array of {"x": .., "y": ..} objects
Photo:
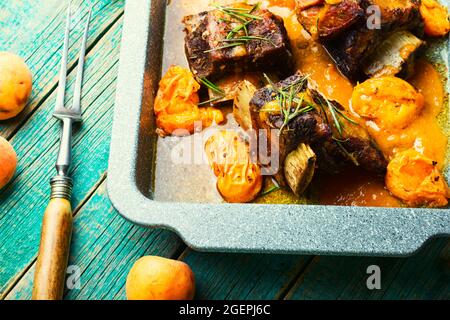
[
  {"x": 176, "y": 104},
  {"x": 392, "y": 103},
  {"x": 435, "y": 18},
  {"x": 416, "y": 179}
]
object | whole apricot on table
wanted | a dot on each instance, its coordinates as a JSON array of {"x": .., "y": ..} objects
[
  {"x": 8, "y": 162},
  {"x": 157, "y": 278},
  {"x": 15, "y": 85}
]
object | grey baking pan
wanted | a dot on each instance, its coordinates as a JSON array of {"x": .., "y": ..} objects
[{"x": 149, "y": 190}]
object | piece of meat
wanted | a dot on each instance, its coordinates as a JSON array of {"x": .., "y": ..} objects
[
  {"x": 351, "y": 49},
  {"x": 314, "y": 128},
  {"x": 308, "y": 128},
  {"x": 354, "y": 144},
  {"x": 305, "y": 4},
  {"x": 325, "y": 22},
  {"x": 308, "y": 19},
  {"x": 206, "y": 36}
]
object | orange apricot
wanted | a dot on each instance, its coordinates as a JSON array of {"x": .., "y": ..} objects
[
  {"x": 435, "y": 18},
  {"x": 238, "y": 179},
  {"x": 157, "y": 278},
  {"x": 392, "y": 103},
  {"x": 416, "y": 180},
  {"x": 8, "y": 162},
  {"x": 176, "y": 104},
  {"x": 15, "y": 85}
]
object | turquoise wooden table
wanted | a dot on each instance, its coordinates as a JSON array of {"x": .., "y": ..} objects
[{"x": 104, "y": 245}]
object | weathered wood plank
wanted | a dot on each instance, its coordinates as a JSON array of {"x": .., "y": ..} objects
[
  {"x": 423, "y": 276},
  {"x": 104, "y": 247},
  {"x": 35, "y": 31},
  {"x": 24, "y": 200},
  {"x": 243, "y": 276}
]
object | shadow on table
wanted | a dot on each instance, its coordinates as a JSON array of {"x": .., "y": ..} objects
[{"x": 425, "y": 275}]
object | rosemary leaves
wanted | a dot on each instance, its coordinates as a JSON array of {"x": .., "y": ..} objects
[
  {"x": 291, "y": 101},
  {"x": 239, "y": 35}
]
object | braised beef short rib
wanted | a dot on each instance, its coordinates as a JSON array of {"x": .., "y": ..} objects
[
  {"x": 315, "y": 129},
  {"x": 349, "y": 29},
  {"x": 206, "y": 35}
]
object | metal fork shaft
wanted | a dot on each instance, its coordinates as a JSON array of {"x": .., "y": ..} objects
[{"x": 65, "y": 148}]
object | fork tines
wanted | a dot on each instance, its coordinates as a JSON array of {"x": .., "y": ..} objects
[{"x": 73, "y": 112}]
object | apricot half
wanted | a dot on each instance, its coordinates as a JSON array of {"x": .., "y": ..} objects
[
  {"x": 157, "y": 278},
  {"x": 177, "y": 104},
  {"x": 392, "y": 103},
  {"x": 8, "y": 162},
  {"x": 416, "y": 180},
  {"x": 435, "y": 18},
  {"x": 15, "y": 85}
]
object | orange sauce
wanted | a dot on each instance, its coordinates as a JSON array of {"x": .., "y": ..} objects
[
  {"x": 424, "y": 134},
  {"x": 312, "y": 59},
  {"x": 281, "y": 3}
]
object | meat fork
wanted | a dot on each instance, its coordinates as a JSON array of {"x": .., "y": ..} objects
[{"x": 57, "y": 222}]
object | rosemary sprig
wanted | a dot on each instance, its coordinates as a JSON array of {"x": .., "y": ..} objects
[
  {"x": 343, "y": 115},
  {"x": 239, "y": 28},
  {"x": 337, "y": 121},
  {"x": 274, "y": 188},
  {"x": 249, "y": 38},
  {"x": 231, "y": 45},
  {"x": 291, "y": 105},
  {"x": 270, "y": 190},
  {"x": 212, "y": 86},
  {"x": 346, "y": 152},
  {"x": 255, "y": 7},
  {"x": 336, "y": 114},
  {"x": 245, "y": 16},
  {"x": 241, "y": 14}
]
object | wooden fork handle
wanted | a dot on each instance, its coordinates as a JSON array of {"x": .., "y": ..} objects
[{"x": 53, "y": 254}]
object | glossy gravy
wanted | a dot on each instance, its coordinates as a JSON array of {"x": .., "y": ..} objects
[{"x": 425, "y": 134}]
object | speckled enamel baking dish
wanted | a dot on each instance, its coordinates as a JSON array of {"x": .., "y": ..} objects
[{"x": 230, "y": 227}]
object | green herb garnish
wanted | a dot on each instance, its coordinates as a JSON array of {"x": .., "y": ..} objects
[
  {"x": 346, "y": 152},
  {"x": 245, "y": 39},
  {"x": 214, "y": 87},
  {"x": 291, "y": 104},
  {"x": 274, "y": 188},
  {"x": 244, "y": 16},
  {"x": 210, "y": 101},
  {"x": 336, "y": 114},
  {"x": 241, "y": 14}
]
